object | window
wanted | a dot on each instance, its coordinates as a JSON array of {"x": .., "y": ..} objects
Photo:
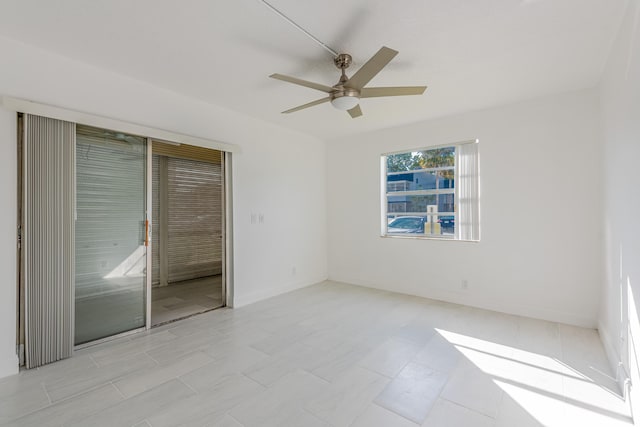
[{"x": 432, "y": 192}]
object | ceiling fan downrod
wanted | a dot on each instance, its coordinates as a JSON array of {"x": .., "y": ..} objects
[{"x": 307, "y": 33}]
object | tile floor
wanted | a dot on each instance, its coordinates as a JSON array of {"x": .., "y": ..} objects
[
  {"x": 329, "y": 355},
  {"x": 186, "y": 298}
]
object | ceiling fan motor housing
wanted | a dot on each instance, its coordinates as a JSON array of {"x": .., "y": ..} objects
[{"x": 342, "y": 61}]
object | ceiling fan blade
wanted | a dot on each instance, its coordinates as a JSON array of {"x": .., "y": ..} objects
[
  {"x": 372, "y": 92},
  {"x": 355, "y": 111},
  {"x": 371, "y": 68},
  {"x": 310, "y": 104},
  {"x": 317, "y": 86}
]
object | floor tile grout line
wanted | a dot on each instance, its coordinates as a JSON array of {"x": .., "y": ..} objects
[
  {"x": 44, "y": 388},
  {"x": 186, "y": 384},
  {"x": 308, "y": 412},
  {"x": 228, "y": 413},
  {"x": 253, "y": 380},
  {"x": 95, "y": 363},
  {"x": 376, "y": 372},
  {"x": 118, "y": 390},
  {"x": 108, "y": 351},
  {"x": 91, "y": 388},
  {"x": 31, "y": 412},
  {"x": 316, "y": 376},
  {"x": 69, "y": 398},
  {"x": 257, "y": 349},
  {"x": 146, "y": 352},
  {"x": 467, "y": 408},
  {"x": 81, "y": 392},
  {"x": 395, "y": 413}
]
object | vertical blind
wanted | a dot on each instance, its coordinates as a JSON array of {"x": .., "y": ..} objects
[
  {"x": 48, "y": 239},
  {"x": 193, "y": 218},
  {"x": 469, "y": 191}
]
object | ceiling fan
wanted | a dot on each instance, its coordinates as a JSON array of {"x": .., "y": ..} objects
[{"x": 346, "y": 94}]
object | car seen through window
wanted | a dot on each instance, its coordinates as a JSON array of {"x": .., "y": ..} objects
[{"x": 407, "y": 224}]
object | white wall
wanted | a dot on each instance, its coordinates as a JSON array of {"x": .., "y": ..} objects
[
  {"x": 8, "y": 215},
  {"x": 279, "y": 173},
  {"x": 619, "y": 326},
  {"x": 540, "y": 253}
]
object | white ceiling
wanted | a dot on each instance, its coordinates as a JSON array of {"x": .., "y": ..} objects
[{"x": 471, "y": 54}]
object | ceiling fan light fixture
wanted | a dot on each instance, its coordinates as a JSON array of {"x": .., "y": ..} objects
[{"x": 345, "y": 101}]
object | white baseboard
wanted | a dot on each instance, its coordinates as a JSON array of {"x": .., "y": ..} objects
[
  {"x": 9, "y": 366},
  {"x": 474, "y": 300},
  {"x": 252, "y": 297}
]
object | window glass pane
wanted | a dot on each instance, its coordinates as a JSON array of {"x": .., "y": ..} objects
[
  {"x": 429, "y": 224},
  {"x": 437, "y": 157},
  {"x": 110, "y": 281},
  {"x": 424, "y": 159},
  {"x": 446, "y": 203},
  {"x": 420, "y": 204},
  {"x": 447, "y": 224},
  {"x": 410, "y": 203},
  {"x": 420, "y": 180}
]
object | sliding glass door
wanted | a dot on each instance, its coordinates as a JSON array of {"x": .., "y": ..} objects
[
  {"x": 85, "y": 260},
  {"x": 111, "y": 233}
]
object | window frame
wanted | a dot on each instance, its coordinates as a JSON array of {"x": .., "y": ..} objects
[{"x": 384, "y": 193}]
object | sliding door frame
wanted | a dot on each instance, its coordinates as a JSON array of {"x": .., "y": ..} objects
[
  {"x": 227, "y": 230},
  {"x": 223, "y": 240},
  {"x": 149, "y": 224}
]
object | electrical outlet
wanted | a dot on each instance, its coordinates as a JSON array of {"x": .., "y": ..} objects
[
  {"x": 465, "y": 284},
  {"x": 293, "y": 271}
]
